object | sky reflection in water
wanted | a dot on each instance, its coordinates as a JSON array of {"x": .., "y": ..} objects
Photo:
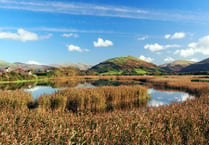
[{"x": 158, "y": 98}]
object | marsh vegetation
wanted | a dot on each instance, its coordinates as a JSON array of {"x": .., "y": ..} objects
[{"x": 100, "y": 115}]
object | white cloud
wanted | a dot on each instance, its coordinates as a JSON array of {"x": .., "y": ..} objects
[
  {"x": 158, "y": 47},
  {"x": 70, "y": 35},
  {"x": 154, "y": 47},
  {"x": 102, "y": 43},
  {"x": 23, "y": 35},
  {"x": 167, "y": 36},
  {"x": 194, "y": 59},
  {"x": 201, "y": 46},
  {"x": 76, "y": 48},
  {"x": 142, "y": 38},
  {"x": 148, "y": 59},
  {"x": 177, "y": 35},
  {"x": 33, "y": 62},
  {"x": 168, "y": 59}
]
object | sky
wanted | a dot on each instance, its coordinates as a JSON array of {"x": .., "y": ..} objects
[{"x": 91, "y": 31}]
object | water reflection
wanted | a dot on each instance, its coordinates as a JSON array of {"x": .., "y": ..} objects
[
  {"x": 101, "y": 99},
  {"x": 85, "y": 85},
  {"x": 159, "y": 95},
  {"x": 40, "y": 90},
  {"x": 37, "y": 91},
  {"x": 159, "y": 98}
]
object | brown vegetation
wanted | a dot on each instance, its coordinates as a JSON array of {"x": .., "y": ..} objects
[
  {"x": 186, "y": 123},
  {"x": 95, "y": 99},
  {"x": 51, "y": 123}
]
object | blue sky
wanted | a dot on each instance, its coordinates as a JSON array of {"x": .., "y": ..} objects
[{"x": 92, "y": 31}]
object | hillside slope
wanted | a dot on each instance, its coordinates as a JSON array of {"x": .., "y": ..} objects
[
  {"x": 202, "y": 66},
  {"x": 35, "y": 67},
  {"x": 79, "y": 66},
  {"x": 4, "y": 64},
  {"x": 128, "y": 65},
  {"x": 176, "y": 65}
]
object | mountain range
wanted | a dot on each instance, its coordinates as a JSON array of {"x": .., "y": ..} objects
[
  {"x": 24, "y": 66},
  {"x": 127, "y": 65}
]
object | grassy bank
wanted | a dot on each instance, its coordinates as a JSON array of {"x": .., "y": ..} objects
[{"x": 25, "y": 81}]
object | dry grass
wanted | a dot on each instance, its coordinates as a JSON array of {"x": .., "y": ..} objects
[
  {"x": 95, "y": 99},
  {"x": 183, "y": 83},
  {"x": 14, "y": 100},
  {"x": 185, "y": 123}
]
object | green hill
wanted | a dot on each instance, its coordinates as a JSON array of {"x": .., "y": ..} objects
[{"x": 128, "y": 65}]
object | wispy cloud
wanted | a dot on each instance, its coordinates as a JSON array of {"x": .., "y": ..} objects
[
  {"x": 143, "y": 38},
  {"x": 70, "y": 35},
  {"x": 101, "y": 10},
  {"x": 66, "y": 30}
]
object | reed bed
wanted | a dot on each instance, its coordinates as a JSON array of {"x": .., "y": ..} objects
[
  {"x": 186, "y": 123},
  {"x": 52, "y": 122},
  {"x": 14, "y": 100},
  {"x": 182, "y": 83},
  {"x": 99, "y": 99}
]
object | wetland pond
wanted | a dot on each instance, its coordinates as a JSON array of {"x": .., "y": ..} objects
[{"x": 157, "y": 97}]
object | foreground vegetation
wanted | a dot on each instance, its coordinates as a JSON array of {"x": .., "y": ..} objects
[
  {"x": 50, "y": 119},
  {"x": 186, "y": 123}
]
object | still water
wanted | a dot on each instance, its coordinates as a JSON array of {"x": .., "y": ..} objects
[
  {"x": 37, "y": 91},
  {"x": 158, "y": 97}
]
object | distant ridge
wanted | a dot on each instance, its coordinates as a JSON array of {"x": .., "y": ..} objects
[
  {"x": 127, "y": 65},
  {"x": 26, "y": 66},
  {"x": 176, "y": 65},
  {"x": 4, "y": 63},
  {"x": 79, "y": 66},
  {"x": 202, "y": 66}
]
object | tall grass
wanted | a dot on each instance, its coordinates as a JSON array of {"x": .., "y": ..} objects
[
  {"x": 14, "y": 100},
  {"x": 95, "y": 99},
  {"x": 50, "y": 123},
  {"x": 183, "y": 83},
  {"x": 186, "y": 123}
]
